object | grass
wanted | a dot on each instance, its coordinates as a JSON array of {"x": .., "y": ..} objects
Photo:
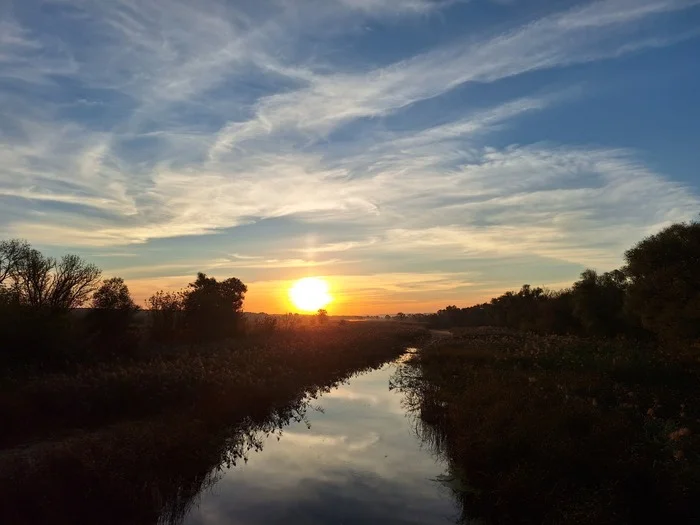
[
  {"x": 554, "y": 429},
  {"x": 132, "y": 442}
]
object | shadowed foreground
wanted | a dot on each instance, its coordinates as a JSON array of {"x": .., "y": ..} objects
[
  {"x": 559, "y": 429},
  {"x": 136, "y": 443}
]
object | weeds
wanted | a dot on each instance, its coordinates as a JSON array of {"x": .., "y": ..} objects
[
  {"x": 142, "y": 439},
  {"x": 559, "y": 429}
]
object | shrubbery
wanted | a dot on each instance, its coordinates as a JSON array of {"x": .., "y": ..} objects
[
  {"x": 554, "y": 429},
  {"x": 111, "y": 318},
  {"x": 40, "y": 325},
  {"x": 657, "y": 293},
  {"x": 664, "y": 282}
]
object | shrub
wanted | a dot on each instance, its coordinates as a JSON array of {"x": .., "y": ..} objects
[
  {"x": 165, "y": 313},
  {"x": 266, "y": 324}
]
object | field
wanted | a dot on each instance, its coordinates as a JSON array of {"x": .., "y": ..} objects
[
  {"x": 558, "y": 429},
  {"x": 143, "y": 437}
]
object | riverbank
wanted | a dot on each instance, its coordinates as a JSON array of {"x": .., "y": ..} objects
[
  {"x": 143, "y": 439},
  {"x": 556, "y": 429}
]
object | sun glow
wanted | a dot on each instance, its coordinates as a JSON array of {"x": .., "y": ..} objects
[{"x": 310, "y": 294}]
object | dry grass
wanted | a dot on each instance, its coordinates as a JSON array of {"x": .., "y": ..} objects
[
  {"x": 130, "y": 443},
  {"x": 550, "y": 429},
  {"x": 47, "y": 405}
]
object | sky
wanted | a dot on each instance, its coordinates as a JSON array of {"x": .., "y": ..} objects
[{"x": 415, "y": 153}]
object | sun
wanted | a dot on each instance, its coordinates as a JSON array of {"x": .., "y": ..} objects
[{"x": 310, "y": 294}]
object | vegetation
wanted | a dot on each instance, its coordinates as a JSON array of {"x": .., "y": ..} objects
[
  {"x": 137, "y": 442},
  {"x": 571, "y": 406},
  {"x": 111, "y": 321},
  {"x": 664, "y": 282},
  {"x": 37, "y": 295},
  {"x": 559, "y": 429},
  {"x": 656, "y": 295},
  {"x": 165, "y": 311},
  {"x": 575, "y": 406},
  {"x": 40, "y": 328},
  {"x": 134, "y": 412},
  {"x": 114, "y": 294},
  {"x": 213, "y": 309}
]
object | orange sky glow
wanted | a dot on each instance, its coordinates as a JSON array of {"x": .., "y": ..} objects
[{"x": 351, "y": 295}]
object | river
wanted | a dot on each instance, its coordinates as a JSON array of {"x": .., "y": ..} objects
[{"x": 355, "y": 459}]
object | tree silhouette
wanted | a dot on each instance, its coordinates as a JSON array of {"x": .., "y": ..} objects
[
  {"x": 213, "y": 308},
  {"x": 598, "y": 302},
  {"x": 664, "y": 274},
  {"x": 165, "y": 313},
  {"x": 112, "y": 315},
  {"x": 113, "y": 294},
  {"x": 58, "y": 285},
  {"x": 11, "y": 253}
]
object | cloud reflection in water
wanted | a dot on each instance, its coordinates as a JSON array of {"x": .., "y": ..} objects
[{"x": 360, "y": 462}]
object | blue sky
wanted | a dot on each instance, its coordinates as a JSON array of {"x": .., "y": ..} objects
[{"x": 417, "y": 153}]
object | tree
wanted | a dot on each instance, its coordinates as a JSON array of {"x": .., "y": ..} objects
[
  {"x": 112, "y": 315},
  {"x": 664, "y": 274},
  {"x": 401, "y": 316},
  {"x": 213, "y": 308},
  {"x": 58, "y": 285},
  {"x": 11, "y": 252},
  {"x": 41, "y": 289},
  {"x": 165, "y": 312},
  {"x": 113, "y": 294},
  {"x": 322, "y": 316},
  {"x": 598, "y": 302},
  {"x": 555, "y": 313}
]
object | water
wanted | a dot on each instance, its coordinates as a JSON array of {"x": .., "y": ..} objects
[{"x": 356, "y": 459}]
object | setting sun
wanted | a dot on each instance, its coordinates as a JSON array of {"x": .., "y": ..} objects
[{"x": 310, "y": 294}]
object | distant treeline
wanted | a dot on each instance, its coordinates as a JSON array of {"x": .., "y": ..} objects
[
  {"x": 655, "y": 294},
  {"x": 39, "y": 326}
]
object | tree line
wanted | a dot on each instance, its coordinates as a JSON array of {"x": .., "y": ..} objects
[
  {"x": 655, "y": 294},
  {"x": 39, "y": 323}
]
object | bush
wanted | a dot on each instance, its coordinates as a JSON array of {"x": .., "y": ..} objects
[
  {"x": 265, "y": 324},
  {"x": 165, "y": 313}
]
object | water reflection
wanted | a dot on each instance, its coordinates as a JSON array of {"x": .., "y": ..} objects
[
  {"x": 347, "y": 456},
  {"x": 359, "y": 462}
]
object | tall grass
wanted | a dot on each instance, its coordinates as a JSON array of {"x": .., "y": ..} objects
[
  {"x": 558, "y": 429},
  {"x": 135, "y": 442}
]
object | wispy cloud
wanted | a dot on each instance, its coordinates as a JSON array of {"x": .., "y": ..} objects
[
  {"x": 277, "y": 263},
  {"x": 246, "y": 257},
  {"x": 339, "y": 246},
  {"x": 382, "y": 7},
  {"x": 125, "y": 123},
  {"x": 583, "y": 34}
]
